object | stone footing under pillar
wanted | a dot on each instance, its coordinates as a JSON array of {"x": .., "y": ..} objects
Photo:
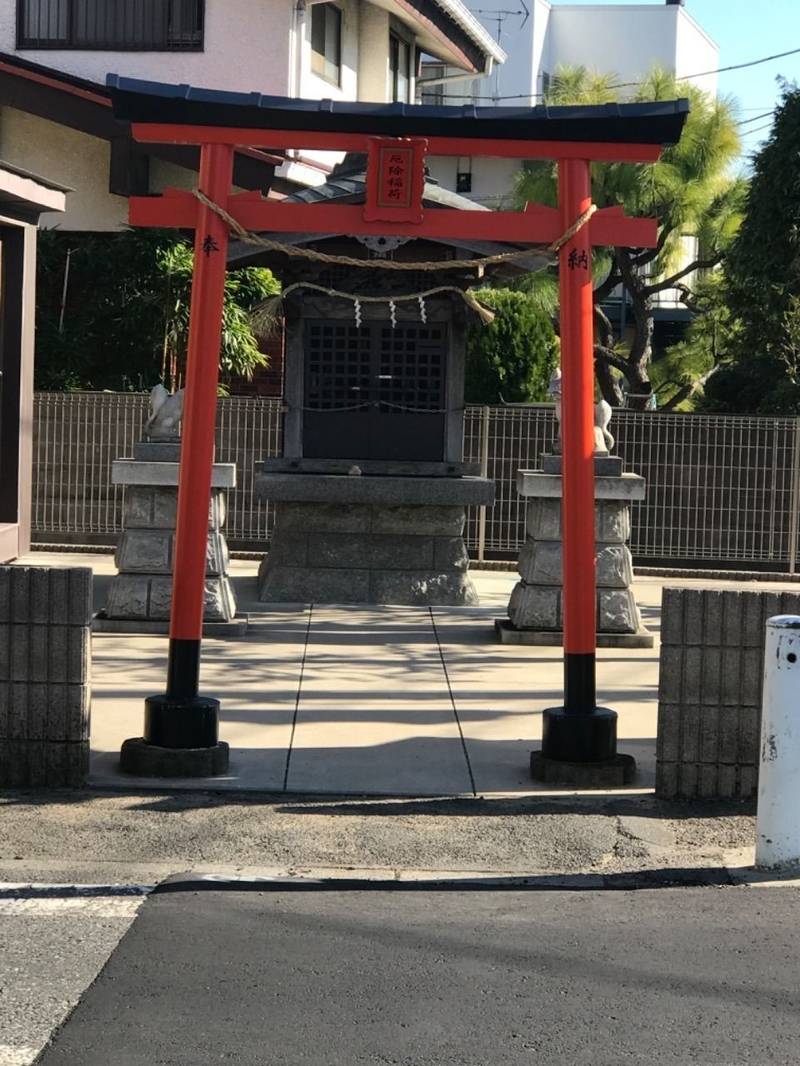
[
  {"x": 508, "y": 633},
  {"x": 141, "y": 759},
  {"x": 610, "y": 773}
]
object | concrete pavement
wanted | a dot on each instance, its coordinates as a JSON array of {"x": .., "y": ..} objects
[
  {"x": 370, "y": 700},
  {"x": 378, "y": 700}
]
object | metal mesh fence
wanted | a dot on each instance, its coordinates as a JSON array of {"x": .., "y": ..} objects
[
  {"x": 77, "y": 436},
  {"x": 719, "y": 488}
]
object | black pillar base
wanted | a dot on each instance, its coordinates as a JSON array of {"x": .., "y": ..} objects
[
  {"x": 191, "y": 722},
  {"x": 587, "y": 737},
  {"x": 581, "y": 749},
  {"x": 141, "y": 759},
  {"x": 181, "y": 739}
]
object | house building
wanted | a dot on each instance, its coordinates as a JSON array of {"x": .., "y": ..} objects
[
  {"x": 24, "y": 198},
  {"x": 626, "y": 40},
  {"x": 55, "y": 114}
]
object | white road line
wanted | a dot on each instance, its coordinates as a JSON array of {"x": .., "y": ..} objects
[
  {"x": 90, "y": 906},
  {"x": 17, "y": 1056}
]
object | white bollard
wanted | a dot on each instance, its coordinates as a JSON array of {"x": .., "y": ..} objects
[{"x": 778, "y": 816}]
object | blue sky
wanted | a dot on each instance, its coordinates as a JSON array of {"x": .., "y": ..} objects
[{"x": 746, "y": 30}]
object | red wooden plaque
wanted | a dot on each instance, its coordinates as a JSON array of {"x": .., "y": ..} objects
[{"x": 395, "y": 179}]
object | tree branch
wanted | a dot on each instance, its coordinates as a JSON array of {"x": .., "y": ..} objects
[
  {"x": 606, "y": 287},
  {"x": 649, "y": 254},
  {"x": 610, "y": 358},
  {"x": 669, "y": 283},
  {"x": 688, "y": 390}
]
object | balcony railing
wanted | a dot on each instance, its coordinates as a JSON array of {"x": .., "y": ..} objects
[{"x": 111, "y": 25}]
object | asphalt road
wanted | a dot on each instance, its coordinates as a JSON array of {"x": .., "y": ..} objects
[
  {"x": 53, "y": 942},
  {"x": 274, "y": 975}
]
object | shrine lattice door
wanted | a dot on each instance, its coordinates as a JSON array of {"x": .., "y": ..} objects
[{"x": 374, "y": 391}]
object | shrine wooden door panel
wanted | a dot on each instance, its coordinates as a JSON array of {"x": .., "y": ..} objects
[{"x": 373, "y": 391}]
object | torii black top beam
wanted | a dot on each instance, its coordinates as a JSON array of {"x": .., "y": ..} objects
[{"x": 658, "y": 123}]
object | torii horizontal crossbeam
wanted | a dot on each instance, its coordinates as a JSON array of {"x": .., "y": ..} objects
[{"x": 535, "y": 225}]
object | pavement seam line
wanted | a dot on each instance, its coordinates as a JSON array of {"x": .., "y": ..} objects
[
  {"x": 453, "y": 702},
  {"x": 297, "y": 700}
]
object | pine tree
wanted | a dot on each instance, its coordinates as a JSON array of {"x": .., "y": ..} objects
[
  {"x": 763, "y": 281},
  {"x": 688, "y": 190}
]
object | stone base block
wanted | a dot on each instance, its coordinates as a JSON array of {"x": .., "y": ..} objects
[
  {"x": 156, "y": 507},
  {"x": 308, "y": 584},
  {"x": 406, "y": 554},
  {"x": 298, "y": 517},
  {"x": 539, "y": 608},
  {"x": 604, "y": 465},
  {"x": 507, "y": 633},
  {"x": 147, "y": 597},
  {"x": 141, "y": 759},
  {"x": 612, "y": 520},
  {"x": 150, "y": 551},
  {"x": 611, "y": 773},
  {"x": 158, "y": 451},
  {"x": 541, "y": 563}
]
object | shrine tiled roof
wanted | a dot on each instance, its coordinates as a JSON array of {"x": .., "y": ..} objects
[
  {"x": 351, "y": 187},
  {"x": 656, "y": 123}
]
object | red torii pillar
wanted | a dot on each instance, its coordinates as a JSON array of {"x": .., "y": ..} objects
[{"x": 181, "y": 719}]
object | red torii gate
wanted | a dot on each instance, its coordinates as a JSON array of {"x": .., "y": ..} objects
[{"x": 396, "y": 138}]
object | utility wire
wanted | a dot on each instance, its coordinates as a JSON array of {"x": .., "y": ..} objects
[
  {"x": 621, "y": 84},
  {"x": 722, "y": 70},
  {"x": 755, "y": 118},
  {"x": 760, "y": 129}
]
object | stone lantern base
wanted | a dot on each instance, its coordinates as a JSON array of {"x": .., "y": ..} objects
[
  {"x": 140, "y": 596},
  {"x": 535, "y": 610}
]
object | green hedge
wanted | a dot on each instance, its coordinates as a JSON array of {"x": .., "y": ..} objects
[{"x": 513, "y": 358}]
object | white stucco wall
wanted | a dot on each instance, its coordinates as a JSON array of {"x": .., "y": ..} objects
[
  {"x": 81, "y": 162},
  {"x": 542, "y": 51},
  {"x": 246, "y": 49},
  {"x": 313, "y": 87},
  {"x": 622, "y": 40},
  {"x": 70, "y": 158},
  {"x": 696, "y": 52},
  {"x": 526, "y": 43},
  {"x": 373, "y": 60},
  {"x": 492, "y": 179}
]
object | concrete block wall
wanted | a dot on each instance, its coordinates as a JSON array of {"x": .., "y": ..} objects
[
  {"x": 45, "y": 649},
  {"x": 710, "y": 685}
]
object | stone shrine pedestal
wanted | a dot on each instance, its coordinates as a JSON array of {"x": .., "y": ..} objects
[
  {"x": 535, "y": 612},
  {"x": 140, "y": 596},
  {"x": 369, "y": 539}
]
